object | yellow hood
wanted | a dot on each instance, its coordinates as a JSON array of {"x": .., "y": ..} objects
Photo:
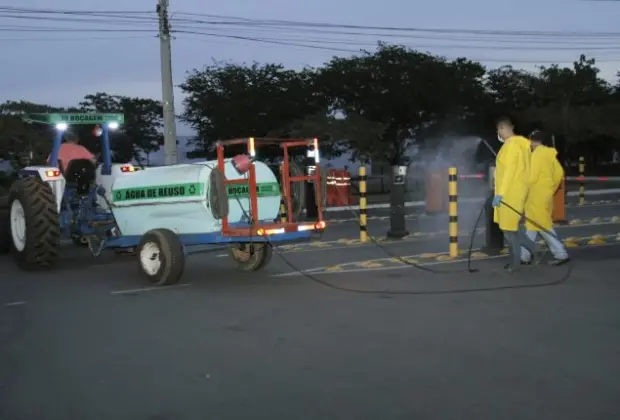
[{"x": 546, "y": 152}]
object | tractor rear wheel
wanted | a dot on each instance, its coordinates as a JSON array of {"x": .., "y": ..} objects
[
  {"x": 251, "y": 257},
  {"x": 34, "y": 224}
]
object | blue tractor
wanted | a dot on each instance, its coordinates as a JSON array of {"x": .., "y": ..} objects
[{"x": 54, "y": 202}]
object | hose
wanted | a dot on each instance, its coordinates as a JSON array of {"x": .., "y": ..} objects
[{"x": 388, "y": 292}]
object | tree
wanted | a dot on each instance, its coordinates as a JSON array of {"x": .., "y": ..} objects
[
  {"x": 225, "y": 101},
  {"x": 409, "y": 92},
  {"x": 20, "y": 142},
  {"x": 570, "y": 94},
  {"x": 141, "y": 132}
]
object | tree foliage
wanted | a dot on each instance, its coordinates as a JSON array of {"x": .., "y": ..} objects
[
  {"x": 377, "y": 104},
  {"x": 380, "y": 103},
  {"x": 225, "y": 101},
  {"x": 25, "y": 143}
]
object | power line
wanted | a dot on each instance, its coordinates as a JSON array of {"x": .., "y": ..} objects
[
  {"x": 258, "y": 31},
  {"x": 81, "y": 38},
  {"x": 415, "y": 46},
  {"x": 299, "y": 24},
  {"x": 405, "y": 36},
  {"x": 294, "y": 44}
]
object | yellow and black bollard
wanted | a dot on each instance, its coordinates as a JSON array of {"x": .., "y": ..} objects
[
  {"x": 363, "y": 209},
  {"x": 282, "y": 211},
  {"x": 582, "y": 181},
  {"x": 453, "y": 212}
]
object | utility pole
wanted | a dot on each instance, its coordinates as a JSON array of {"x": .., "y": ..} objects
[{"x": 170, "y": 129}]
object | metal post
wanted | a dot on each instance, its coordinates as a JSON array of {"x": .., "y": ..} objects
[
  {"x": 283, "y": 198},
  {"x": 453, "y": 227},
  {"x": 582, "y": 185},
  {"x": 106, "y": 168},
  {"x": 53, "y": 159},
  {"x": 494, "y": 237},
  {"x": 170, "y": 129},
  {"x": 363, "y": 209},
  {"x": 312, "y": 209},
  {"x": 398, "y": 227}
]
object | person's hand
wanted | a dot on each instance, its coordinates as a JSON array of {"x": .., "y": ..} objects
[{"x": 497, "y": 200}]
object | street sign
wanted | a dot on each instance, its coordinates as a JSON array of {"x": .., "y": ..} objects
[{"x": 76, "y": 118}]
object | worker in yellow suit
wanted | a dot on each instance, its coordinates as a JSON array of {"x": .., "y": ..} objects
[
  {"x": 546, "y": 174},
  {"x": 512, "y": 170}
]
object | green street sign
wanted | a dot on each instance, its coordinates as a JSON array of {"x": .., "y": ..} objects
[{"x": 76, "y": 118}]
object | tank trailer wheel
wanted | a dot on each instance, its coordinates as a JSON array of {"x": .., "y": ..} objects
[
  {"x": 160, "y": 257},
  {"x": 5, "y": 231},
  {"x": 251, "y": 257},
  {"x": 34, "y": 224}
]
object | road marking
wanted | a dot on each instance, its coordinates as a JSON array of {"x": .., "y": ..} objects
[
  {"x": 480, "y": 199},
  {"x": 17, "y": 303},
  {"x": 349, "y": 243},
  {"x": 148, "y": 289},
  {"x": 425, "y": 259}
]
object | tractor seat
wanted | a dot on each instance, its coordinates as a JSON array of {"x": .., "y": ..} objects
[{"x": 80, "y": 174}]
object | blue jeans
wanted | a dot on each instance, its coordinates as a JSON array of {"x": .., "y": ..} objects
[{"x": 556, "y": 246}]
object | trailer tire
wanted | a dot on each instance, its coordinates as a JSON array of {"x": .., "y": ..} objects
[
  {"x": 34, "y": 224},
  {"x": 5, "y": 232},
  {"x": 161, "y": 258},
  {"x": 248, "y": 259}
]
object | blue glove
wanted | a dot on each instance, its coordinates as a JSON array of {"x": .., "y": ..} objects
[{"x": 497, "y": 200}]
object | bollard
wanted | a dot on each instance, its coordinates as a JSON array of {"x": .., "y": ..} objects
[
  {"x": 282, "y": 211},
  {"x": 363, "y": 210},
  {"x": 453, "y": 212},
  {"x": 582, "y": 186}
]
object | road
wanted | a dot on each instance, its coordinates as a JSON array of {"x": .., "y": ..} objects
[{"x": 90, "y": 340}]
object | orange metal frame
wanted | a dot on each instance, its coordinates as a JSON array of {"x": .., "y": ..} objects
[{"x": 256, "y": 229}]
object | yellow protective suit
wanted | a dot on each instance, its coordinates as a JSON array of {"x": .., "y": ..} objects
[
  {"x": 512, "y": 171},
  {"x": 546, "y": 173}
]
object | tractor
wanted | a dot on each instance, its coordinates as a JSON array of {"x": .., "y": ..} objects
[{"x": 49, "y": 203}]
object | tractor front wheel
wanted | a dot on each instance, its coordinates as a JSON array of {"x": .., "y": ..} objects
[
  {"x": 5, "y": 232},
  {"x": 251, "y": 256},
  {"x": 81, "y": 241},
  {"x": 5, "y": 227},
  {"x": 34, "y": 224}
]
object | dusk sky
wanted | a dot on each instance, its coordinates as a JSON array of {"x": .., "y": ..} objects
[{"x": 59, "y": 67}]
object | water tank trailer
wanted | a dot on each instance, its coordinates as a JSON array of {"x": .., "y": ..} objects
[{"x": 234, "y": 201}]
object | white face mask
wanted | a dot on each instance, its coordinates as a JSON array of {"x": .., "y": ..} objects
[{"x": 501, "y": 140}]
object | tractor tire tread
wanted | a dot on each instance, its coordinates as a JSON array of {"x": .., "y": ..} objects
[{"x": 42, "y": 223}]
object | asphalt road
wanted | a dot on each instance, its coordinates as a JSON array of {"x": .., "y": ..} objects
[
  {"x": 346, "y": 223},
  {"x": 90, "y": 340}
]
